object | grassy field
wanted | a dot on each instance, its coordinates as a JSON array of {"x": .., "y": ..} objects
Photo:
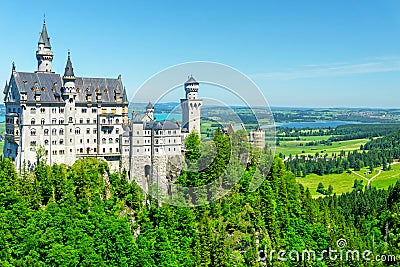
[
  {"x": 340, "y": 182},
  {"x": 344, "y": 182},
  {"x": 387, "y": 178},
  {"x": 293, "y": 147}
]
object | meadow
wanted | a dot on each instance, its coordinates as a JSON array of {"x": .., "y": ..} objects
[
  {"x": 344, "y": 182},
  {"x": 292, "y": 146}
]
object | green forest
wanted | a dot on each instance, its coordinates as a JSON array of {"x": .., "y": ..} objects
[{"x": 87, "y": 215}]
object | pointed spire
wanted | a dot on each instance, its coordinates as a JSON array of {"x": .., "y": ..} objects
[
  {"x": 149, "y": 106},
  {"x": 69, "y": 70},
  {"x": 44, "y": 37},
  {"x": 191, "y": 79},
  {"x": 13, "y": 66},
  {"x": 124, "y": 96}
]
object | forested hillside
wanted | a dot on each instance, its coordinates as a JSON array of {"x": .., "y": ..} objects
[{"x": 85, "y": 215}]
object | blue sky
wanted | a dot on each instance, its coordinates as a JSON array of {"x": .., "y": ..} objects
[{"x": 300, "y": 53}]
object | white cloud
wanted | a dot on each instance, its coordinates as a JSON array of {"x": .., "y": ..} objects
[{"x": 374, "y": 65}]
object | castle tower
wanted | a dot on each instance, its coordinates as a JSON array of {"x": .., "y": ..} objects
[
  {"x": 44, "y": 55},
  {"x": 191, "y": 107},
  {"x": 150, "y": 111},
  {"x": 69, "y": 94}
]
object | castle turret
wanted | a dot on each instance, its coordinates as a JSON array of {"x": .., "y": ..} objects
[
  {"x": 69, "y": 90},
  {"x": 44, "y": 55},
  {"x": 69, "y": 94},
  {"x": 191, "y": 107}
]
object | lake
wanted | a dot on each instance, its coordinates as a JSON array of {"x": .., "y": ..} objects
[{"x": 316, "y": 124}]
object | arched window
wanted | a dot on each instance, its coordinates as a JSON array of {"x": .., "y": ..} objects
[
  {"x": 46, "y": 131},
  {"x": 33, "y": 132},
  {"x": 77, "y": 131},
  {"x": 32, "y": 121},
  {"x": 61, "y": 131},
  {"x": 42, "y": 121},
  {"x": 110, "y": 140},
  {"x": 54, "y": 131},
  {"x": 81, "y": 150},
  {"x": 117, "y": 121},
  {"x": 116, "y": 140},
  {"x": 46, "y": 142},
  {"x": 103, "y": 140}
]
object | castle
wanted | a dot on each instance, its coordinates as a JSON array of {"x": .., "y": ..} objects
[
  {"x": 76, "y": 117},
  {"x": 67, "y": 118}
]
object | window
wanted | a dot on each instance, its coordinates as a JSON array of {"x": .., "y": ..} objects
[
  {"x": 53, "y": 121},
  {"x": 104, "y": 150},
  {"x": 77, "y": 131},
  {"x": 81, "y": 141},
  {"x": 54, "y": 152},
  {"x": 95, "y": 150},
  {"x": 61, "y": 141},
  {"x": 94, "y": 130},
  {"x": 94, "y": 121},
  {"x": 110, "y": 150},
  {"x": 70, "y": 120},
  {"x": 88, "y": 130},
  {"x": 53, "y": 110},
  {"x": 54, "y": 131},
  {"x": 33, "y": 132},
  {"x": 42, "y": 110},
  {"x": 61, "y": 110},
  {"x": 81, "y": 121},
  {"x": 54, "y": 142},
  {"x": 46, "y": 142},
  {"x": 32, "y": 121},
  {"x": 94, "y": 110},
  {"x": 61, "y": 132},
  {"x": 117, "y": 121},
  {"x": 84, "y": 110},
  {"x": 103, "y": 140},
  {"x": 103, "y": 121},
  {"x": 33, "y": 110},
  {"x": 42, "y": 121},
  {"x": 61, "y": 152},
  {"x": 46, "y": 132},
  {"x": 117, "y": 131},
  {"x": 94, "y": 141},
  {"x": 116, "y": 140},
  {"x": 33, "y": 143},
  {"x": 116, "y": 150},
  {"x": 61, "y": 121},
  {"x": 87, "y": 121},
  {"x": 110, "y": 140}
]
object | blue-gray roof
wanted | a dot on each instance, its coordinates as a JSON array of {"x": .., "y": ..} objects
[
  {"x": 162, "y": 125},
  {"x": 69, "y": 70},
  {"x": 44, "y": 37},
  {"x": 50, "y": 85},
  {"x": 191, "y": 80}
]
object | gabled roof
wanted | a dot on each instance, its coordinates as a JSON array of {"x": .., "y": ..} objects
[
  {"x": 50, "y": 85},
  {"x": 161, "y": 125}
]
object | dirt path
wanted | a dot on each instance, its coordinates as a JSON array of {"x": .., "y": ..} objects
[{"x": 365, "y": 178}]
